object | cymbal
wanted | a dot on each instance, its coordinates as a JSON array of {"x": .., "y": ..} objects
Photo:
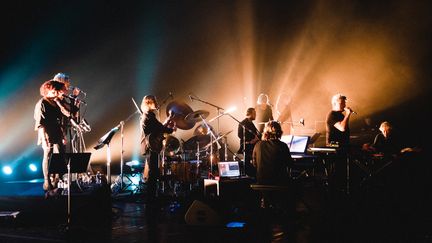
[
  {"x": 197, "y": 115},
  {"x": 191, "y": 143},
  {"x": 202, "y": 129},
  {"x": 180, "y": 109}
]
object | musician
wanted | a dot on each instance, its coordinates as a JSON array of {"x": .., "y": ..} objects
[
  {"x": 152, "y": 135},
  {"x": 48, "y": 114},
  {"x": 337, "y": 122},
  {"x": 249, "y": 136},
  {"x": 271, "y": 157},
  {"x": 384, "y": 142},
  {"x": 264, "y": 112},
  {"x": 64, "y": 78},
  {"x": 338, "y": 135},
  {"x": 72, "y": 101}
]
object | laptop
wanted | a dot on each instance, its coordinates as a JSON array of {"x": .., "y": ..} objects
[
  {"x": 229, "y": 169},
  {"x": 287, "y": 139},
  {"x": 299, "y": 145}
]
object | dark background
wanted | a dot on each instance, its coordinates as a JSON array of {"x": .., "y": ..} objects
[{"x": 378, "y": 53}]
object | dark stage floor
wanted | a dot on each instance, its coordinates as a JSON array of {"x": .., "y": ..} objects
[{"x": 391, "y": 206}]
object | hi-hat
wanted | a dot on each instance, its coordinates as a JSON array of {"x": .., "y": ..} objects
[
  {"x": 180, "y": 110},
  {"x": 197, "y": 115}
]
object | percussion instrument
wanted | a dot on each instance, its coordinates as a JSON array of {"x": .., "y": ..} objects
[
  {"x": 197, "y": 116},
  {"x": 178, "y": 110}
]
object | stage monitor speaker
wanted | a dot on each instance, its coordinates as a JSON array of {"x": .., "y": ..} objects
[{"x": 200, "y": 213}]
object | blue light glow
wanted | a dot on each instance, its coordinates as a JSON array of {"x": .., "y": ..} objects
[
  {"x": 7, "y": 170},
  {"x": 32, "y": 167},
  {"x": 235, "y": 224}
]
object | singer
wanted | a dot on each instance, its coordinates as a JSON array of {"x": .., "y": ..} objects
[
  {"x": 73, "y": 99},
  {"x": 337, "y": 122},
  {"x": 338, "y": 135},
  {"x": 49, "y": 115}
]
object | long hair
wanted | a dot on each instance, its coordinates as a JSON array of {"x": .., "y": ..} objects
[
  {"x": 263, "y": 99},
  {"x": 51, "y": 85},
  {"x": 148, "y": 99},
  {"x": 272, "y": 131}
]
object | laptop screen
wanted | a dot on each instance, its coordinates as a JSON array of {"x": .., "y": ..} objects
[
  {"x": 287, "y": 139},
  {"x": 228, "y": 169},
  {"x": 299, "y": 144}
]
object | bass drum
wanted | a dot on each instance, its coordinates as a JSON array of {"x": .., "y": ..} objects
[{"x": 186, "y": 172}]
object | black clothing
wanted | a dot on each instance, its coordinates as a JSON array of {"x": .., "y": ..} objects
[
  {"x": 272, "y": 159},
  {"x": 263, "y": 116},
  {"x": 151, "y": 144},
  {"x": 49, "y": 116},
  {"x": 333, "y": 134},
  {"x": 152, "y": 133},
  {"x": 387, "y": 146},
  {"x": 250, "y": 133}
]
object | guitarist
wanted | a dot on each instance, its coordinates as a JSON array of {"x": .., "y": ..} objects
[{"x": 152, "y": 136}]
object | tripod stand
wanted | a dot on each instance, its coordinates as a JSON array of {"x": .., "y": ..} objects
[
  {"x": 68, "y": 163},
  {"x": 106, "y": 139}
]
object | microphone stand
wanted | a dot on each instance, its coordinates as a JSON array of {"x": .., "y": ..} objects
[
  {"x": 106, "y": 139},
  {"x": 217, "y": 107},
  {"x": 212, "y": 136},
  {"x": 244, "y": 139}
]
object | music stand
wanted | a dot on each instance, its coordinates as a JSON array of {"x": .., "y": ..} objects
[
  {"x": 106, "y": 139},
  {"x": 68, "y": 163}
]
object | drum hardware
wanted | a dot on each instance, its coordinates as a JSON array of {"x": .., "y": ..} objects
[
  {"x": 217, "y": 139},
  {"x": 219, "y": 109},
  {"x": 180, "y": 110},
  {"x": 201, "y": 114},
  {"x": 201, "y": 140},
  {"x": 202, "y": 130},
  {"x": 197, "y": 116}
]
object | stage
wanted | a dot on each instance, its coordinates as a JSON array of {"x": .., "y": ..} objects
[{"x": 390, "y": 207}]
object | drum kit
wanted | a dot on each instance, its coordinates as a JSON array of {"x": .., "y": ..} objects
[{"x": 189, "y": 160}]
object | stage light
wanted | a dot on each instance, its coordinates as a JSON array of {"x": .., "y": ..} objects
[
  {"x": 7, "y": 170},
  {"x": 32, "y": 167},
  {"x": 235, "y": 224},
  {"x": 231, "y": 109}
]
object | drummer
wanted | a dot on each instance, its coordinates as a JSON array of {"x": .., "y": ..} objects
[{"x": 152, "y": 136}]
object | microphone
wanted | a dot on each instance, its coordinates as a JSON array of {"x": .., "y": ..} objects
[
  {"x": 74, "y": 98},
  {"x": 69, "y": 96},
  {"x": 190, "y": 97},
  {"x": 351, "y": 111}
]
